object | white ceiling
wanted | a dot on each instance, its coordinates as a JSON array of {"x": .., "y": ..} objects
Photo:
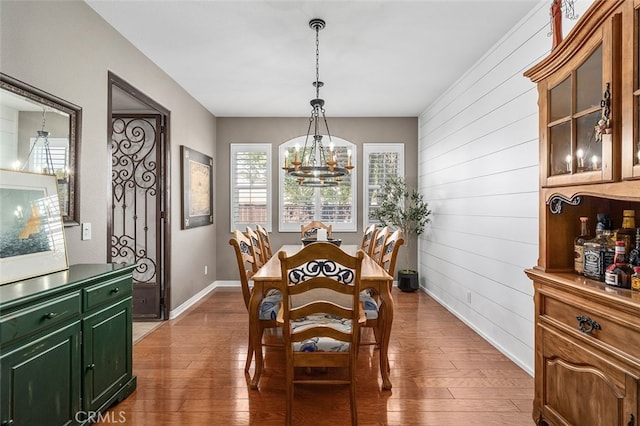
[{"x": 247, "y": 58}]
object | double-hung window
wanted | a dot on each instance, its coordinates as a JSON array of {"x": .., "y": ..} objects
[
  {"x": 250, "y": 185},
  {"x": 381, "y": 161},
  {"x": 335, "y": 206}
]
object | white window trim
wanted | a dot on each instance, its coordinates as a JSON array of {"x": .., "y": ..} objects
[
  {"x": 250, "y": 147},
  {"x": 336, "y": 227},
  {"x": 371, "y": 148}
]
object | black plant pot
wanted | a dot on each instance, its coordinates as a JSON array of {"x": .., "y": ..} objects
[{"x": 408, "y": 281}]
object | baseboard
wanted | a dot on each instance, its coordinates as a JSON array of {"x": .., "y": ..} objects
[
  {"x": 174, "y": 313},
  {"x": 484, "y": 336}
]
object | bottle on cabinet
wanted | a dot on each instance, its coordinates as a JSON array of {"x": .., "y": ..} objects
[
  {"x": 635, "y": 279},
  {"x": 619, "y": 273},
  {"x": 627, "y": 231},
  {"x": 578, "y": 245},
  {"x": 599, "y": 251},
  {"x": 634, "y": 254}
]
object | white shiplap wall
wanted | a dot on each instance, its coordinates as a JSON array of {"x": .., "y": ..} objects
[{"x": 478, "y": 169}]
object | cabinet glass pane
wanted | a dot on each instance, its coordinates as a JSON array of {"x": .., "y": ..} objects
[
  {"x": 589, "y": 81},
  {"x": 588, "y": 151},
  {"x": 560, "y": 100},
  {"x": 560, "y": 151}
]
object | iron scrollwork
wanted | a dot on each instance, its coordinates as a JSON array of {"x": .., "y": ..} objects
[
  {"x": 555, "y": 202},
  {"x": 317, "y": 268}
]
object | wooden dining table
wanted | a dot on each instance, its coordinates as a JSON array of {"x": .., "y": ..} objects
[{"x": 373, "y": 276}]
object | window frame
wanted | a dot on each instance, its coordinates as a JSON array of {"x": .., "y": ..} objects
[
  {"x": 373, "y": 148},
  {"x": 336, "y": 226},
  {"x": 234, "y": 149}
]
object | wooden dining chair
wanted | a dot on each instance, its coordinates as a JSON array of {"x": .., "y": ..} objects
[
  {"x": 310, "y": 230},
  {"x": 321, "y": 316},
  {"x": 270, "y": 304},
  {"x": 265, "y": 241},
  {"x": 256, "y": 246},
  {"x": 368, "y": 237},
  {"x": 378, "y": 243},
  {"x": 371, "y": 302}
]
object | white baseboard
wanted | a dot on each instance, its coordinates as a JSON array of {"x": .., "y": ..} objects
[{"x": 174, "y": 313}]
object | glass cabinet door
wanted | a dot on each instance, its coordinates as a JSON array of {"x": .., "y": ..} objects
[
  {"x": 631, "y": 93},
  {"x": 574, "y": 109}
]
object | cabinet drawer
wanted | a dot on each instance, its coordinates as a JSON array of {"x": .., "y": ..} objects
[
  {"x": 38, "y": 317},
  {"x": 608, "y": 328},
  {"x": 108, "y": 291}
]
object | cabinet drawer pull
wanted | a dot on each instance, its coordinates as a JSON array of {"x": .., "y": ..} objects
[
  {"x": 632, "y": 421},
  {"x": 587, "y": 325},
  {"x": 10, "y": 422},
  {"x": 115, "y": 290},
  {"x": 91, "y": 366},
  {"x": 51, "y": 315}
]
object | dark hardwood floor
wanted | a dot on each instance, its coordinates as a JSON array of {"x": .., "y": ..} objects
[{"x": 190, "y": 372}]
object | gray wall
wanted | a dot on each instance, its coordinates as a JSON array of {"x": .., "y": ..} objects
[
  {"x": 278, "y": 130},
  {"x": 66, "y": 49}
]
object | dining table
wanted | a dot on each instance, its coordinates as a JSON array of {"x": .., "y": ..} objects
[{"x": 373, "y": 276}]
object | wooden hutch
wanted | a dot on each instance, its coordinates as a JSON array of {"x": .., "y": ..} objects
[{"x": 587, "y": 335}]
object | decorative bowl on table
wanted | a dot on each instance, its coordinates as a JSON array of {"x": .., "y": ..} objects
[{"x": 309, "y": 240}]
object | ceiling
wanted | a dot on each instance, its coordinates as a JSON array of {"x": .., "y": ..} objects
[{"x": 247, "y": 58}]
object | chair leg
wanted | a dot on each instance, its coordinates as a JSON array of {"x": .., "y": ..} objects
[
  {"x": 352, "y": 401},
  {"x": 289, "y": 409},
  {"x": 247, "y": 364}
]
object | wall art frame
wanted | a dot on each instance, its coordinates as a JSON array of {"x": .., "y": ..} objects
[
  {"x": 196, "y": 177},
  {"x": 32, "y": 240}
]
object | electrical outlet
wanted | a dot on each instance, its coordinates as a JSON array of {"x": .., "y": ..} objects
[
  {"x": 86, "y": 231},
  {"x": 206, "y": 269}
]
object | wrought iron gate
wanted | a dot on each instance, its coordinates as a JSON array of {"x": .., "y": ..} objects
[{"x": 136, "y": 225}]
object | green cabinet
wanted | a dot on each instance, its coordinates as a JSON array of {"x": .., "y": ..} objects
[{"x": 65, "y": 345}]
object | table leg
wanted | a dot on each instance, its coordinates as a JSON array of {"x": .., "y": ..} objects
[{"x": 387, "y": 306}]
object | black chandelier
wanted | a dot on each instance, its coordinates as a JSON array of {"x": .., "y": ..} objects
[{"x": 314, "y": 166}]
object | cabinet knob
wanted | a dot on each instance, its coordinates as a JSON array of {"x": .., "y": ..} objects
[
  {"x": 10, "y": 422},
  {"x": 91, "y": 366},
  {"x": 51, "y": 315},
  {"x": 587, "y": 325},
  {"x": 115, "y": 290}
]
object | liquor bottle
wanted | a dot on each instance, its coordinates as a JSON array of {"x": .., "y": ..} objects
[
  {"x": 634, "y": 255},
  {"x": 578, "y": 245},
  {"x": 599, "y": 252},
  {"x": 627, "y": 232},
  {"x": 619, "y": 273},
  {"x": 635, "y": 279}
]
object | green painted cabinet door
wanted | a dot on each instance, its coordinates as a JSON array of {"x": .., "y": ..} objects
[
  {"x": 106, "y": 353},
  {"x": 40, "y": 381}
]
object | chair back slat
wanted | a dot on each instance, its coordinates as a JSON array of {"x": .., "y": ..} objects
[
  {"x": 256, "y": 246},
  {"x": 245, "y": 259},
  {"x": 265, "y": 239},
  {"x": 390, "y": 251},
  {"x": 310, "y": 230},
  {"x": 368, "y": 237},
  {"x": 378, "y": 243}
]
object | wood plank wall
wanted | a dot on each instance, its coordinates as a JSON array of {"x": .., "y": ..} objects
[{"x": 478, "y": 168}]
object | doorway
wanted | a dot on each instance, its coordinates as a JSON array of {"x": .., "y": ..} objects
[{"x": 137, "y": 217}]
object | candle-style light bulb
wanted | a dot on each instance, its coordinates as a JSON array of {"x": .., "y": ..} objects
[
  {"x": 286, "y": 159},
  {"x": 568, "y": 160},
  {"x": 594, "y": 162},
  {"x": 580, "y": 156},
  {"x": 297, "y": 158}
]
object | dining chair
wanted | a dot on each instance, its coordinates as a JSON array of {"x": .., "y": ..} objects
[
  {"x": 321, "y": 316},
  {"x": 311, "y": 229},
  {"x": 270, "y": 304},
  {"x": 256, "y": 246},
  {"x": 368, "y": 237},
  {"x": 265, "y": 240},
  {"x": 371, "y": 302},
  {"x": 378, "y": 243}
]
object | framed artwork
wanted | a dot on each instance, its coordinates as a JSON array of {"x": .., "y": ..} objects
[
  {"x": 197, "y": 188},
  {"x": 31, "y": 227}
]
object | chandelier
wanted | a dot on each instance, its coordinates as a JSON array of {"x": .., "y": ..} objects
[{"x": 314, "y": 166}]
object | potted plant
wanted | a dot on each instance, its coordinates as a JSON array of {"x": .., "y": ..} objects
[{"x": 403, "y": 208}]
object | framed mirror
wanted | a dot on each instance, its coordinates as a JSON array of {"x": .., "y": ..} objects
[{"x": 40, "y": 132}]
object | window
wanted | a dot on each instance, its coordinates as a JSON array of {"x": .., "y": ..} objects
[
  {"x": 334, "y": 205},
  {"x": 250, "y": 185},
  {"x": 381, "y": 161},
  {"x": 58, "y": 155}
]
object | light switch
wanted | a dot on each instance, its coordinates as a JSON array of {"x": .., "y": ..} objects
[{"x": 86, "y": 231}]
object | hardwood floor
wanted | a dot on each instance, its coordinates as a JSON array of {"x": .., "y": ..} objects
[{"x": 190, "y": 372}]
